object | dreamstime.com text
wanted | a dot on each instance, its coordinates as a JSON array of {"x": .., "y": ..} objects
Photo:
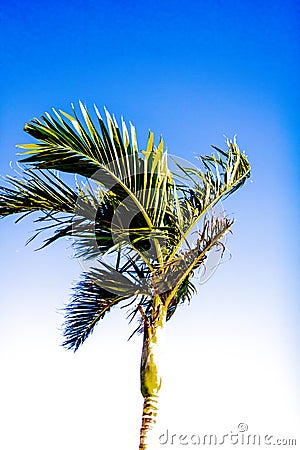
[{"x": 238, "y": 437}]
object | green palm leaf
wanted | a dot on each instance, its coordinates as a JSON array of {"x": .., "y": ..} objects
[
  {"x": 36, "y": 191},
  {"x": 185, "y": 292},
  {"x": 89, "y": 304},
  {"x": 143, "y": 179},
  {"x": 94, "y": 296},
  {"x": 223, "y": 174}
]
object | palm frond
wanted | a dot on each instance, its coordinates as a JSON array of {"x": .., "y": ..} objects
[
  {"x": 182, "y": 267},
  {"x": 93, "y": 236},
  {"x": 185, "y": 292},
  {"x": 61, "y": 209},
  {"x": 143, "y": 179},
  {"x": 223, "y": 174},
  {"x": 89, "y": 304},
  {"x": 114, "y": 280},
  {"x": 36, "y": 191},
  {"x": 94, "y": 296}
]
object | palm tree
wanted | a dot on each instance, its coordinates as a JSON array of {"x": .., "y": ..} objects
[{"x": 130, "y": 218}]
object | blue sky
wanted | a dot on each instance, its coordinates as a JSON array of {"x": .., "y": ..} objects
[{"x": 193, "y": 71}]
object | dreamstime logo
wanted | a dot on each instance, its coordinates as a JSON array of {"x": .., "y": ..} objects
[
  {"x": 241, "y": 436},
  {"x": 137, "y": 197}
]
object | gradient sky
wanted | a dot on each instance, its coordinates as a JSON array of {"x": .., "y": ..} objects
[{"x": 193, "y": 71}]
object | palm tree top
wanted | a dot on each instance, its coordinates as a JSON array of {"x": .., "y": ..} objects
[{"x": 124, "y": 203}]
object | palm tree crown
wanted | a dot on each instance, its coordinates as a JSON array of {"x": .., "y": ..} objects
[{"x": 126, "y": 205}]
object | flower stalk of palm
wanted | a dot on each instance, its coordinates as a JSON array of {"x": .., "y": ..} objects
[{"x": 128, "y": 205}]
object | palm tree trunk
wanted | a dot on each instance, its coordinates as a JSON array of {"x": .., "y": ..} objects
[
  {"x": 150, "y": 376},
  {"x": 148, "y": 421}
]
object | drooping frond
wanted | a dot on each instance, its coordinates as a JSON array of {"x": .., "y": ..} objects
[
  {"x": 89, "y": 304},
  {"x": 94, "y": 296}
]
